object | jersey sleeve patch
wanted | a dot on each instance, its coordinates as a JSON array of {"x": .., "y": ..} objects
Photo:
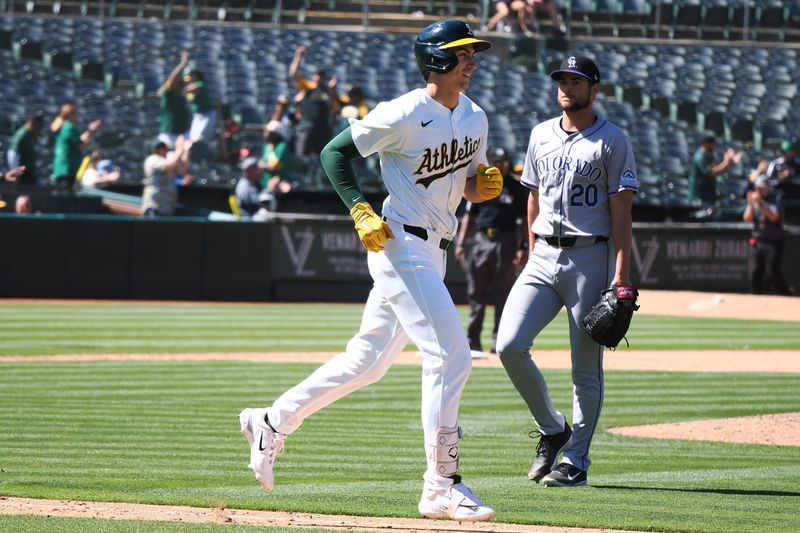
[{"x": 628, "y": 180}]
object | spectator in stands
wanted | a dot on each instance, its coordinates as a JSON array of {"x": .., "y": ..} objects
[
  {"x": 176, "y": 119},
  {"x": 783, "y": 172},
  {"x": 22, "y": 151},
  {"x": 161, "y": 168},
  {"x": 255, "y": 199},
  {"x": 283, "y": 114},
  {"x": 277, "y": 157},
  {"x": 526, "y": 14},
  {"x": 551, "y": 8},
  {"x": 354, "y": 97},
  {"x": 316, "y": 106},
  {"x": 204, "y": 115},
  {"x": 231, "y": 145},
  {"x": 765, "y": 210},
  {"x": 69, "y": 145},
  {"x": 352, "y": 105},
  {"x": 248, "y": 188},
  {"x": 759, "y": 170},
  {"x": 703, "y": 175},
  {"x": 99, "y": 170},
  {"x": 23, "y": 205},
  {"x": 502, "y": 8}
]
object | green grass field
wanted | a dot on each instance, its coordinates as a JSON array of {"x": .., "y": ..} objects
[
  {"x": 148, "y": 328},
  {"x": 167, "y": 432}
]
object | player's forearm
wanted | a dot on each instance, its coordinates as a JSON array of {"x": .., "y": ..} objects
[
  {"x": 335, "y": 159},
  {"x": 533, "y": 212},
  {"x": 622, "y": 243},
  {"x": 622, "y": 235}
]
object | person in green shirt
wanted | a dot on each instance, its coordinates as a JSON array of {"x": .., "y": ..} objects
[
  {"x": 175, "y": 115},
  {"x": 703, "y": 174},
  {"x": 22, "y": 151},
  {"x": 277, "y": 157},
  {"x": 69, "y": 145},
  {"x": 204, "y": 115}
]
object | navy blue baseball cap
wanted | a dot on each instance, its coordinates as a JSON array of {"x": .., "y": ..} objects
[{"x": 580, "y": 65}]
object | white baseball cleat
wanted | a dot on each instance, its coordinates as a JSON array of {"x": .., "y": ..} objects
[
  {"x": 457, "y": 502},
  {"x": 265, "y": 444}
]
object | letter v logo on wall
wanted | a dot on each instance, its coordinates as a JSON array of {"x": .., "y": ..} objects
[
  {"x": 644, "y": 264},
  {"x": 299, "y": 255}
]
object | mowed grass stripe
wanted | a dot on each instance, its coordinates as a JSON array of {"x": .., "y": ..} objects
[
  {"x": 147, "y": 328},
  {"x": 52, "y": 524},
  {"x": 167, "y": 432}
]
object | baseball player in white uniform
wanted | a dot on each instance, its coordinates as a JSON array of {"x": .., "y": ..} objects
[
  {"x": 582, "y": 177},
  {"x": 432, "y": 147}
]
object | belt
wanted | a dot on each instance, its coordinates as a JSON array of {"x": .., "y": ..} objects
[
  {"x": 571, "y": 242},
  {"x": 422, "y": 233}
]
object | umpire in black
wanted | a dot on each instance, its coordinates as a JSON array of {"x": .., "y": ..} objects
[{"x": 497, "y": 234}]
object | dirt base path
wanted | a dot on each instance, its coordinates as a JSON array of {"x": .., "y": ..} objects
[
  {"x": 621, "y": 359},
  {"x": 201, "y": 515}
]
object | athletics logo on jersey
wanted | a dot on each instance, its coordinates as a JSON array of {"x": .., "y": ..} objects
[
  {"x": 446, "y": 156},
  {"x": 628, "y": 179}
]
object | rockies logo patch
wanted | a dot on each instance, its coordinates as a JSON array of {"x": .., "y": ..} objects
[{"x": 628, "y": 178}]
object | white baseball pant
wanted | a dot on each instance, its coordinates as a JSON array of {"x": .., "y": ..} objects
[{"x": 409, "y": 301}]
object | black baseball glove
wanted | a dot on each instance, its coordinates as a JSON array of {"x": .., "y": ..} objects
[{"x": 608, "y": 321}]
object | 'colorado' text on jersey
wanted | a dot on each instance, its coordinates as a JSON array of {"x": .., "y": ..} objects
[
  {"x": 424, "y": 176},
  {"x": 575, "y": 174}
]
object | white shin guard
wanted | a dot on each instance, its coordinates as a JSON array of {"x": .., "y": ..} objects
[
  {"x": 443, "y": 456},
  {"x": 444, "y": 495}
]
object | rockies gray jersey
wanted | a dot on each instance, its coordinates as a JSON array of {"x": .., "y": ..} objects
[{"x": 575, "y": 174}]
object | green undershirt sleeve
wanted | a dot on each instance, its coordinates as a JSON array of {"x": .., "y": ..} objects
[{"x": 335, "y": 158}]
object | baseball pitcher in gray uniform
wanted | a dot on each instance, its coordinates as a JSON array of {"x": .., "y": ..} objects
[{"x": 582, "y": 177}]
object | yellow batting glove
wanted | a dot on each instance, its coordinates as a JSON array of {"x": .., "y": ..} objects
[
  {"x": 489, "y": 182},
  {"x": 372, "y": 231}
]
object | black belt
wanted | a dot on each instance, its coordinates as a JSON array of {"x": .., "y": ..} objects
[
  {"x": 422, "y": 233},
  {"x": 569, "y": 242}
]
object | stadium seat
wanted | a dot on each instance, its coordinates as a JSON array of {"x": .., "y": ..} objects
[
  {"x": 604, "y": 18},
  {"x": 769, "y": 135},
  {"x": 688, "y": 17},
  {"x": 715, "y": 20},
  {"x": 662, "y": 16},
  {"x": 742, "y": 129},
  {"x": 579, "y": 16}
]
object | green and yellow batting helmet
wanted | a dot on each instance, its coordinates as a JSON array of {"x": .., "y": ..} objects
[{"x": 432, "y": 48}]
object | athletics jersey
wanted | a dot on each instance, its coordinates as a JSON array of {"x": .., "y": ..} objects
[
  {"x": 575, "y": 174},
  {"x": 426, "y": 153}
]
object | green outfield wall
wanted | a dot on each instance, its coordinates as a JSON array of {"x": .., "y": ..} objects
[{"x": 297, "y": 258}]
